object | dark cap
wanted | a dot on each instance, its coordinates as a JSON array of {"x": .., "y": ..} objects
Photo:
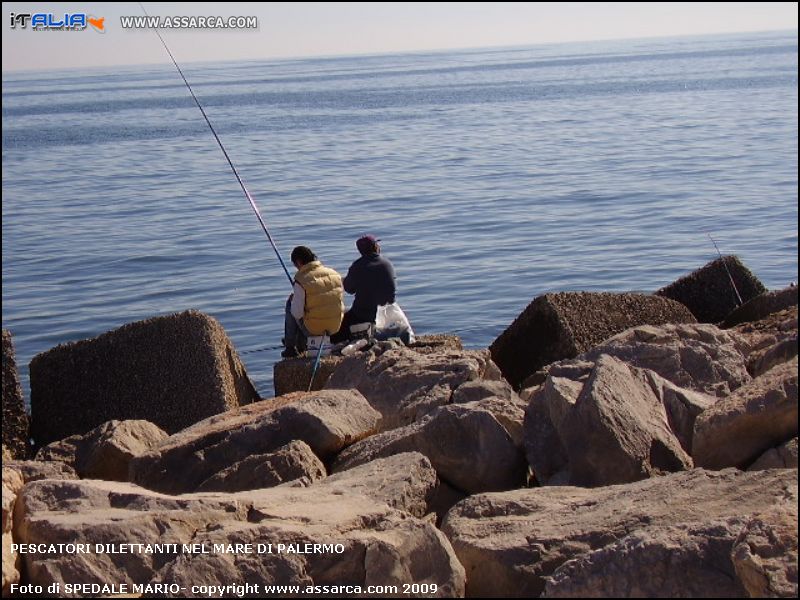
[{"x": 367, "y": 243}]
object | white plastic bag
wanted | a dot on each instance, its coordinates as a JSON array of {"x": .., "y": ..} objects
[{"x": 391, "y": 321}]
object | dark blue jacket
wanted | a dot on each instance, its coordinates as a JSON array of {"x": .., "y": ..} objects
[{"x": 371, "y": 278}]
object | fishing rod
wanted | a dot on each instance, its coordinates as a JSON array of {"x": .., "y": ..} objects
[
  {"x": 224, "y": 151},
  {"x": 316, "y": 365},
  {"x": 725, "y": 264}
]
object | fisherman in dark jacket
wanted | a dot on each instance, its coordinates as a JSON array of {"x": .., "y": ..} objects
[{"x": 372, "y": 279}]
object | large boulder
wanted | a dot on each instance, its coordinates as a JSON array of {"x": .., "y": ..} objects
[
  {"x": 106, "y": 451},
  {"x": 294, "y": 461},
  {"x": 327, "y": 421},
  {"x": 498, "y": 398},
  {"x": 405, "y": 385},
  {"x": 686, "y": 366},
  {"x": 708, "y": 291},
  {"x": 294, "y": 374},
  {"x": 12, "y": 484},
  {"x": 618, "y": 430},
  {"x": 686, "y": 561},
  {"x": 696, "y": 357},
  {"x": 467, "y": 444},
  {"x": 762, "y": 306},
  {"x": 361, "y": 541},
  {"x": 740, "y": 428},
  {"x": 603, "y": 421},
  {"x": 765, "y": 553},
  {"x": 510, "y": 543},
  {"x": 548, "y": 405},
  {"x": 405, "y": 481},
  {"x": 780, "y": 352},
  {"x": 174, "y": 371},
  {"x": 15, "y": 419},
  {"x": 780, "y": 457},
  {"x": 768, "y": 342},
  {"x": 35, "y": 470},
  {"x": 559, "y": 326}
]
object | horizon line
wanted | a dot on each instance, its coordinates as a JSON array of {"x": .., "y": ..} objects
[{"x": 40, "y": 70}]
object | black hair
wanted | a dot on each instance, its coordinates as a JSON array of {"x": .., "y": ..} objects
[
  {"x": 367, "y": 245},
  {"x": 303, "y": 254}
]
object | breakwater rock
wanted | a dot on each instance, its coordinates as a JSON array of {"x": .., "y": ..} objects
[
  {"x": 657, "y": 457},
  {"x": 172, "y": 371},
  {"x": 713, "y": 291},
  {"x": 15, "y": 420},
  {"x": 671, "y": 536},
  {"x": 563, "y": 325}
]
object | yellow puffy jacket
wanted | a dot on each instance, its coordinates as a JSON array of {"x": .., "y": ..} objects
[{"x": 324, "y": 308}]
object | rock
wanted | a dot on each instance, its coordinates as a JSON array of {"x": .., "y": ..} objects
[
  {"x": 758, "y": 416},
  {"x": 762, "y": 306},
  {"x": 106, "y": 451},
  {"x": 436, "y": 342},
  {"x": 15, "y": 419},
  {"x": 544, "y": 416},
  {"x": 783, "y": 321},
  {"x": 560, "y": 326},
  {"x": 404, "y": 385},
  {"x": 12, "y": 484},
  {"x": 35, "y": 470},
  {"x": 480, "y": 389},
  {"x": 327, "y": 421},
  {"x": 768, "y": 342},
  {"x": 404, "y": 481},
  {"x": 683, "y": 407},
  {"x": 510, "y": 542},
  {"x": 555, "y": 427},
  {"x": 295, "y": 460},
  {"x": 500, "y": 399},
  {"x": 765, "y": 553},
  {"x": 379, "y": 545},
  {"x": 466, "y": 444},
  {"x": 688, "y": 561},
  {"x": 708, "y": 292},
  {"x": 174, "y": 371},
  {"x": 701, "y": 357},
  {"x": 780, "y": 352},
  {"x": 509, "y": 412},
  {"x": 618, "y": 430},
  {"x": 294, "y": 374},
  {"x": 780, "y": 457}
]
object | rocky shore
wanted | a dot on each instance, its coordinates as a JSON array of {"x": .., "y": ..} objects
[{"x": 605, "y": 445}]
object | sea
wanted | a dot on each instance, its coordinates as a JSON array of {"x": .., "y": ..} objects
[{"x": 491, "y": 176}]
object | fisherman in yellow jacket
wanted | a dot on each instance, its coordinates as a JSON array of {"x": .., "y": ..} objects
[{"x": 316, "y": 306}]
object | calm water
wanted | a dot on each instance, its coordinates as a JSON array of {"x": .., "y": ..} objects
[{"x": 492, "y": 176}]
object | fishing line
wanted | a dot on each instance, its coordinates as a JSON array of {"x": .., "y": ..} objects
[
  {"x": 727, "y": 269},
  {"x": 268, "y": 348},
  {"x": 225, "y": 152}
]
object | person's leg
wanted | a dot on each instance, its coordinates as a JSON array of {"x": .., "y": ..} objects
[
  {"x": 344, "y": 331},
  {"x": 294, "y": 333}
]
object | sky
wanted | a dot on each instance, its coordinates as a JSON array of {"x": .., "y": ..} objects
[{"x": 301, "y": 29}]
